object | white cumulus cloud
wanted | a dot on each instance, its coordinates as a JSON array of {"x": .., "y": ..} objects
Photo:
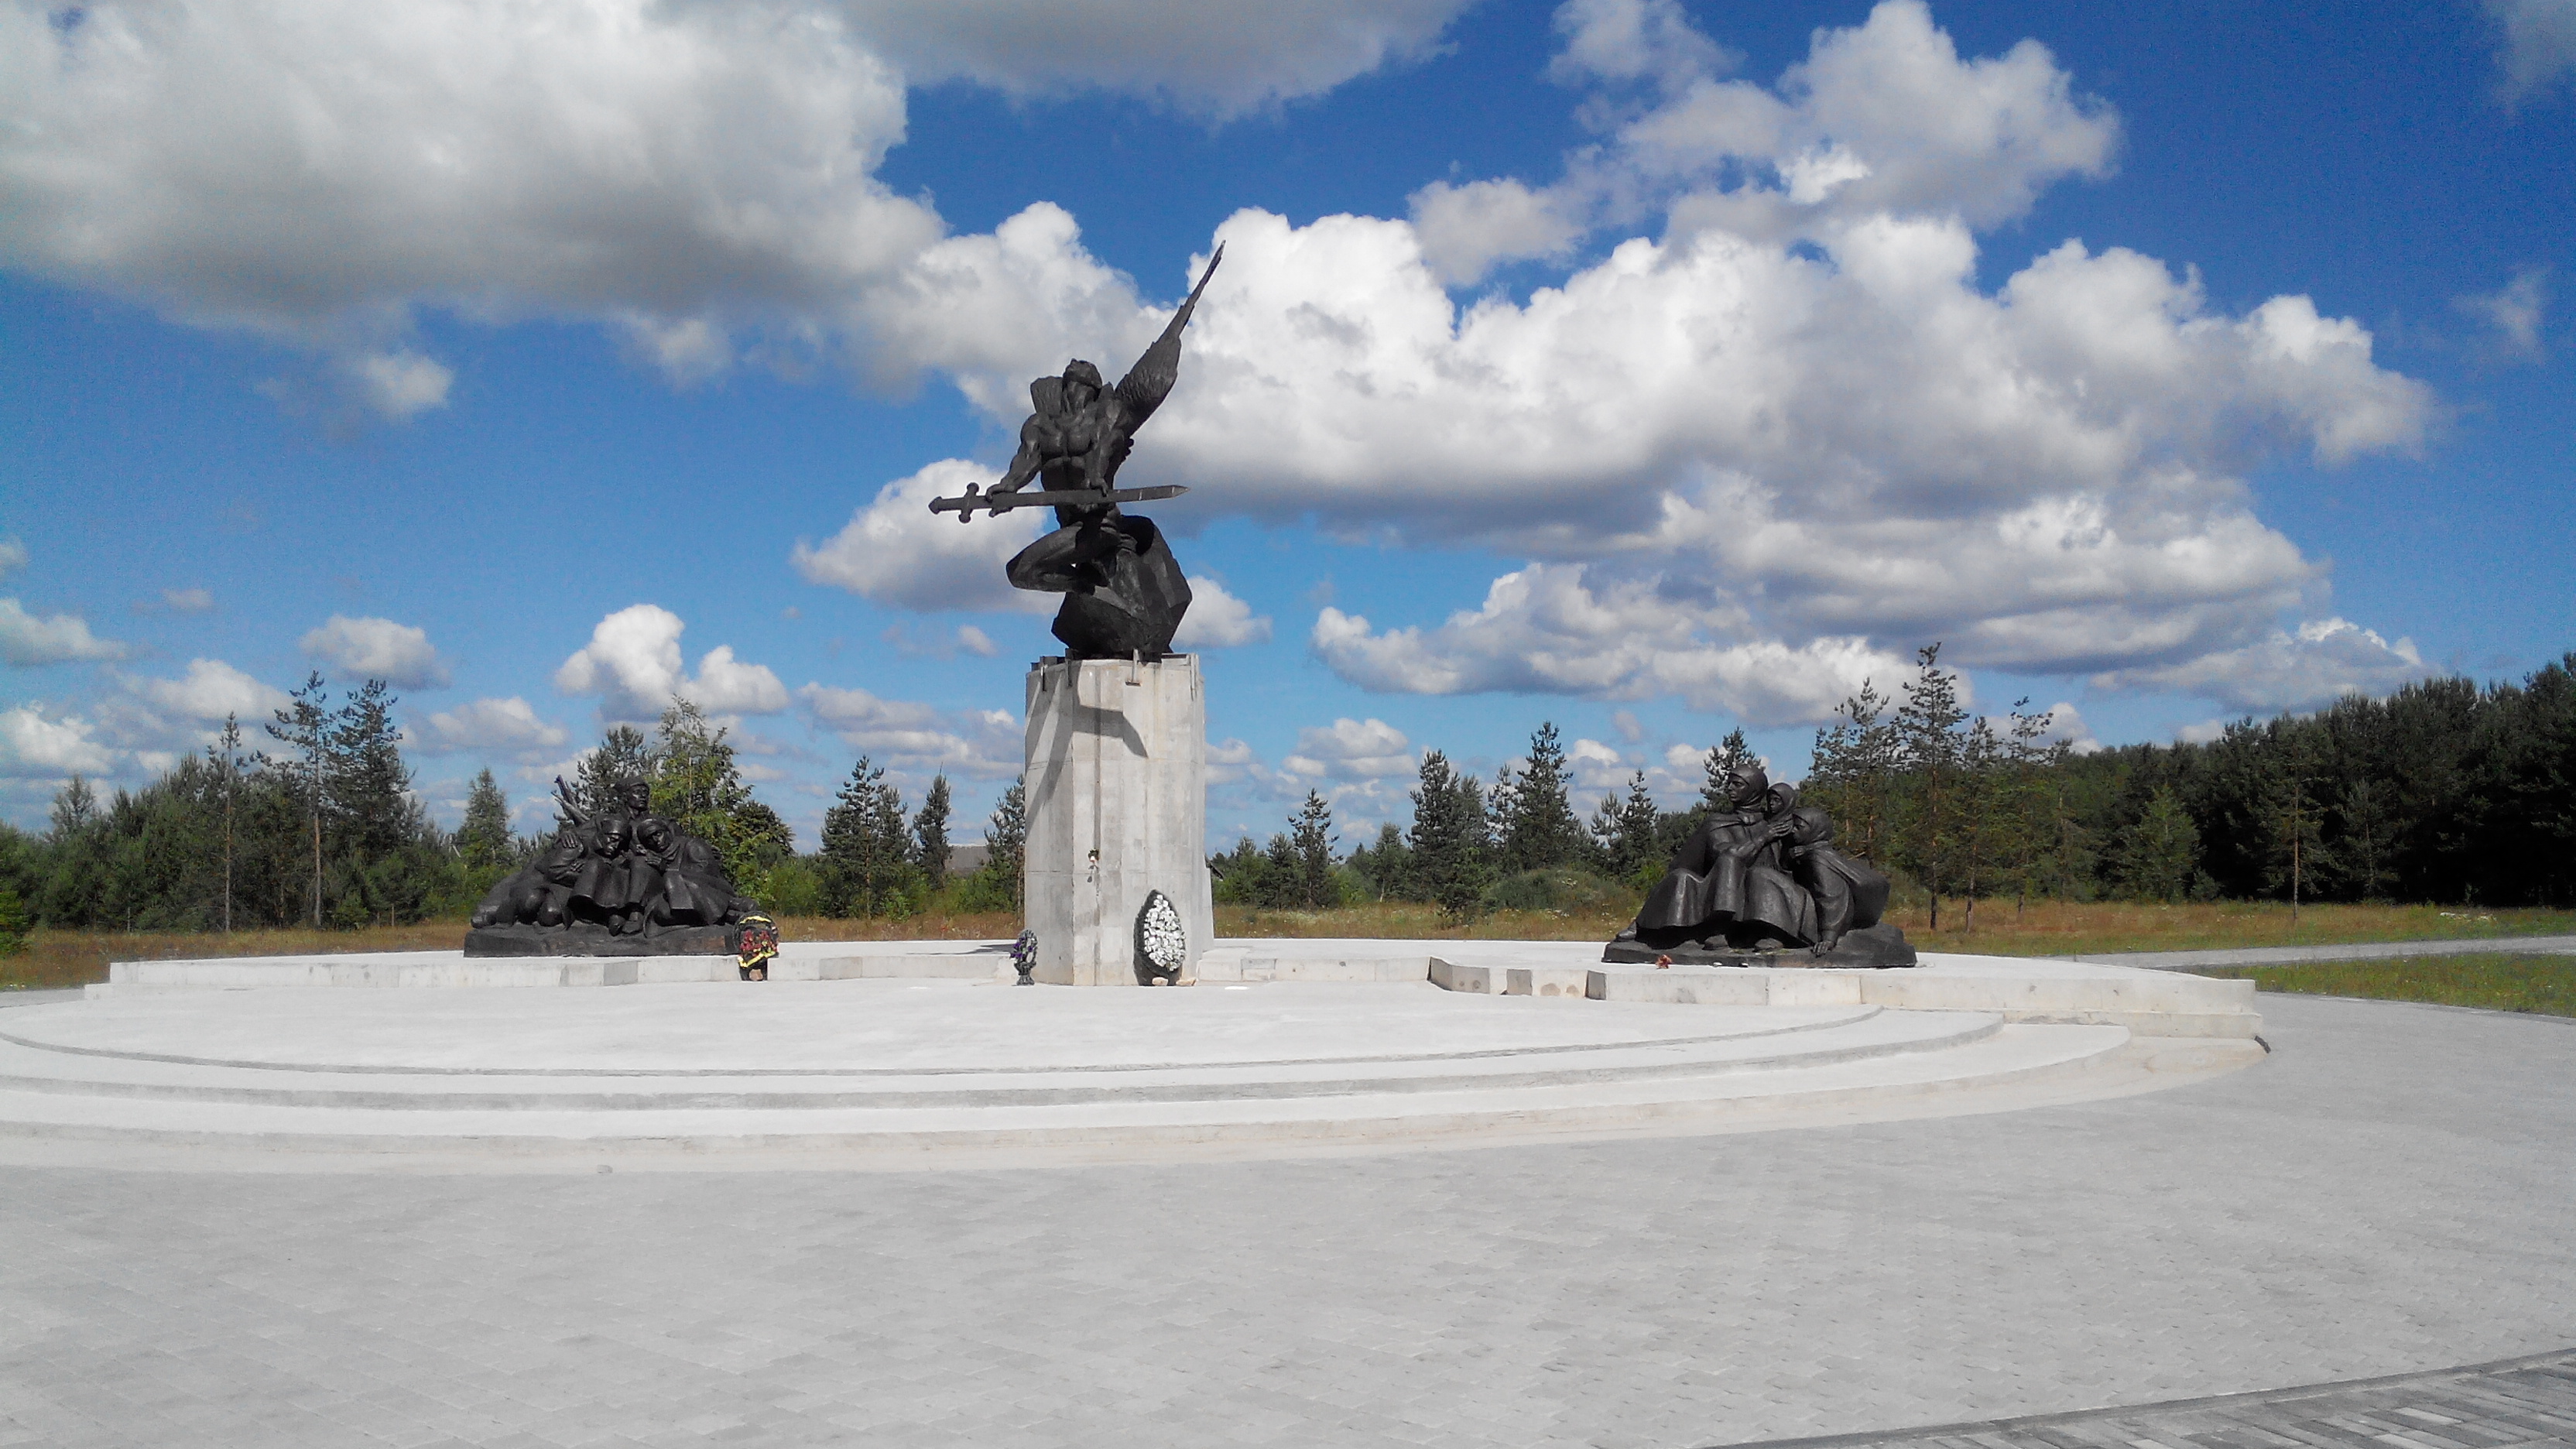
[
  {"x": 1545, "y": 630},
  {"x": 896, "y": 551},
  {"x": 917, "y": 739},
  {"x": 2539, "y": 45},
  {"x": 1350, "y": 749},
  {"x": 1219, "y": 620},
  {"x": 210, "y": 691},
  {"x": 510, "y": 724},
  {"x": 2514, "y": 312},
  {"x": 1883, "y": 118},
  {"x": 2306, "y": 668},
  {"x": 378, "y": 649},
  {"x": 700, "y": 179},
  {"x": 633, "y": 662},
  {"x": 27, "y": 640},
  {"x": 34, "y": 747},
  {"x": 399, "y": 384},
  {"x": 1213, "y": 59},
  {"x": 1465, "y": 230},
  {"x": 314, "y": 168}
]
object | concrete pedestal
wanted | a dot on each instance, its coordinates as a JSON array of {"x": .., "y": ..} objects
[{"x": 1117, "y": 808}]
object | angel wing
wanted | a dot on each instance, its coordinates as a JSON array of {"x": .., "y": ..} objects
[{"x": 1150, "y": 380}]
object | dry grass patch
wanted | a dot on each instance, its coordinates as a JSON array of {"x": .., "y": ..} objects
[
  {"x": 2498, "y": 982},
  {"x": 2047, "y": 928},
  {"x": 1414, "y": 921},
  {"x": 73, "y": 958},
  {"x": 2088, "y": 928}
]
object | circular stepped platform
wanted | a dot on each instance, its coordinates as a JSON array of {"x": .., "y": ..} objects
[{"x": 859, "y": 1073}]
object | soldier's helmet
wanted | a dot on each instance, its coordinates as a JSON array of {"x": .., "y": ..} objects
[{"x": 1084, "y": 373}]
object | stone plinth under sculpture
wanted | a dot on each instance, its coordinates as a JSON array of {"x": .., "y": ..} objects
[
  {"x": 1760, "y": 884},
  {"x": 1117, "y": 811}
]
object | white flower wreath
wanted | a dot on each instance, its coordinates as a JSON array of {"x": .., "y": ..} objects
[{"x": 1160, "y": 938}]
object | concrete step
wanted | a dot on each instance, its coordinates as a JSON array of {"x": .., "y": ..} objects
[
  {"x": 2011, "y": 1067},
  {"x": 1854, "y": 1035},
  {"x": 872, "y": 1073}
]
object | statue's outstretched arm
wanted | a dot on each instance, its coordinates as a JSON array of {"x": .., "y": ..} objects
[
  {"x": 1150, "y": 380},
  {"x": 1024, "y": 465}
]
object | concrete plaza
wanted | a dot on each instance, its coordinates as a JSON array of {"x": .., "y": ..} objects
[{"x": 2389, "y": 1193}]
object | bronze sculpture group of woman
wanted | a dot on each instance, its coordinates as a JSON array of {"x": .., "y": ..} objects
[{"x": 1761, "y": 881}]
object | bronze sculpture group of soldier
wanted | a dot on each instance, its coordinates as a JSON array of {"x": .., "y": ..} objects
[{"x": 620, "y": 872}]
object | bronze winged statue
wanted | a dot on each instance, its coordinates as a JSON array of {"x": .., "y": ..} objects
[{"x": 1124, "y": 593}]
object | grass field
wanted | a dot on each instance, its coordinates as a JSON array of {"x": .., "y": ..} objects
[
  {"x": 2048, "y": 928},
  {"x": 2497, "y": 982}
]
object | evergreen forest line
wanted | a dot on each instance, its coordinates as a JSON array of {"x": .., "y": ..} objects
[{"x": 2446, "y": 792}]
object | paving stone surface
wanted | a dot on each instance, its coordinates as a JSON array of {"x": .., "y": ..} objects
[
  {"x": 2529, "y": 1401},
  {"x": 2389, "y": 1194}
]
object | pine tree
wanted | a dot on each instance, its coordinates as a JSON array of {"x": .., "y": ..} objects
[
  {"x": 930, "y": 834},
  {"x": 75, "y": 809},
  {"x": 2369, "y": 820},
  {"x": 1603, "y": 830},
  {"x": 2296, "y": 821},
  {"x": 1311, "y": 846},
  {"x": 483, "y": 841},
  {"x": 1451, "y": 842},
  {"x": 1243, "y": 875},
  {"x": 2030, "y": 759},
  {"x": 890, "y": 843},
  {"x": 380, "y": 825},
  {"x": 867, "y": 846},
  {"x": 2161, "y": 851},
  {"x": 1927, "y": 729},
  {"x": 367, "y": 783},
  {"x": 225, "y": 754},
  {"x": 698, "y": 786},
  {"x": 13, "y": 923},
  {"x": 1275, "y": 883},
  {"x": 1387, "y": 865},
  {"x": 305, "y": 727},
  {"x": 77, "y": 885},
  {"x": 1006, "y": 841},
  {"x": 1984, "y": 832},
  {"x": 1853, "y": 775},
  {"x": 1539, "y": 829},
  {"x": 622, "y": 754},
  {"x": 1624, "y": 831}
]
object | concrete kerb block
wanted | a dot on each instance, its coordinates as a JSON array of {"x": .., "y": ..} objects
[
  {"x": 1224, "y": 963},
  {"x": 1566, "y": 981},
  {"x": 1679, "y": 985},
  {"x": 2148, "y": 1003},
  {"x": 1476, "y": 980},
  {"x": 1812, "y": 987}
]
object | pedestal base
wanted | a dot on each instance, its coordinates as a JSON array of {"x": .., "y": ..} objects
[
  {"x": 1876, "y": 948},
  {"x": 1117, "y": 809},
  {"x": 589, "y": 940}
]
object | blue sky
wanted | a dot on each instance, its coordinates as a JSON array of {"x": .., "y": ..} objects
[{"x": 1646, "y": 367}]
